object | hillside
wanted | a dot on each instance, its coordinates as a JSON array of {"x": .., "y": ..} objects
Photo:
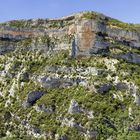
[{"x": 71, "y": 78}]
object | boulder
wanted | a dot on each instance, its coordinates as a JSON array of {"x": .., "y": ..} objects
[
  {"x": 104, "y": 88},
  {"x": 32, "y": 98},
  {"x": 74, "y": 107}
]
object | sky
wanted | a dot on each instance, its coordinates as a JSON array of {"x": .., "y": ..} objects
[{"x": 125, "y": 10}]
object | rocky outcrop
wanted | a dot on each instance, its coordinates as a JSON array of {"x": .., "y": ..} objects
[
  {"x": 121, "y": 86},
  {"x": 42, "y": 108},
  {"x": 135, "y": 127},
  {"x": 74, "y": 108},
  {"x": 32, "y": 98},
  {"x": 91, "y": 34},
  {"x": 71, "y": 70},
  {"x": 137, "y": 100},
  {"x": 82, "y": 35},
  {"x": 92, "y": 134},
  {"x": 51, "y": 82},
  {"x": 6, "y": 46},
  {"x": 130, "y": 57},
  {"x": 132, "y": 38},
  {"x": 100, "y": 47},
  {"x": 104, "y": 88}
]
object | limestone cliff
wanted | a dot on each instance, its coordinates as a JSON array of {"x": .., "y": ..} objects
[
  {"x": 71, "y": 78},
  {"x": 94, "y": 33}
]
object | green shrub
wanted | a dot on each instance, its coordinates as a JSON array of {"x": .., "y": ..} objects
[
  {"x": 90, "y": 15},
  {"x": 17, "y": 23},
  {"x": 126, "y": 26}
]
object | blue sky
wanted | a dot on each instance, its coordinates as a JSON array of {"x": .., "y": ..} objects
[{"x": 125, "y": 10}]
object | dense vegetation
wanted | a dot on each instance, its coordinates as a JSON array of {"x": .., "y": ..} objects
[
  {"x": 119, "y": 24},
  {"x": 90, "y": 15},
  {"x": 105, "y": 107}
]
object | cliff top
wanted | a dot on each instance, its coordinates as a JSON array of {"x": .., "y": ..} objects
[{"x": 68, "y": 20}]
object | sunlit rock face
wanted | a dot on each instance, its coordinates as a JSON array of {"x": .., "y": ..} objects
[{"x": 84, "y": 33}]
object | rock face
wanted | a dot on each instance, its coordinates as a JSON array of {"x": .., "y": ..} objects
[
  {"x": 83, "y": 35},
  {"x": 130, "y": 57},
  {"x": 74, "y": 49}
]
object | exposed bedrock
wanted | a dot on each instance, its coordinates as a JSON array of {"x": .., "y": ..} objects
[{"x": 81, "y": 35}]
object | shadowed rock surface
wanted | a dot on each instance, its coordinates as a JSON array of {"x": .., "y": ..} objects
[{"x": 32, "y": 98}]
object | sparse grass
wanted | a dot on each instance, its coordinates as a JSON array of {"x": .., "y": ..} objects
[{"x": 120, "y": 24}]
